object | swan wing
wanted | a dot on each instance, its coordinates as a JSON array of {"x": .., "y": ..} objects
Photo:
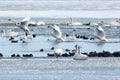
[
  {"x": 100, "y": 31},
  {"x": 25, "y": 21},
  {"x": 57, "y": 30}
]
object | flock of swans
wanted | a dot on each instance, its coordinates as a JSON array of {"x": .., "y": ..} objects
[
  {"x": 97, "y": 29},
  {"x": 98, "y": 33}
]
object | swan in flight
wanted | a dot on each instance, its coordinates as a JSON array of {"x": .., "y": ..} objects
[
  {"x": 9, "y": 33},
  {"x": 100, "y": 34},
  {"x": 57, "y": 33},
  {"x": 23, "y": 25},
  {"x": 78, "y": 55},
  {"x": 71, "y": 23}
]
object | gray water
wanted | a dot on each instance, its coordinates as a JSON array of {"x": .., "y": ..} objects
[{"x": 61, "y": 68}]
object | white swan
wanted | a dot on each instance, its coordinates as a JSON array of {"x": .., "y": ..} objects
[
  {"x": 40, "y": 23},
  {"x": 9, "y": 33},
  {"x": 58, "y": 52},
  {"x": 24, "y": 26},
  {"x": 71, "y": 23},
  {"x": 78, "y": 55},
  {"x": 23, "y": 38},
  {"x": 100, "y": 34},
  {"x": 71, "y": 38},
  {"x": 57, "y": 33},
  {"x": 111, "y": 23}
]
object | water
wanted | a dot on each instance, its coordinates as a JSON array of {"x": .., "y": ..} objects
[
  {"x": 61, "y": 68},
  {"x": 44, "y": 33}
]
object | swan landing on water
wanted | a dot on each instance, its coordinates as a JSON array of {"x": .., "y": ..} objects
[
  {"x": 24, "y": 26},
  {"x": 100, "y": 34},
  {"x": 57, "y": 33},
  {"x": 78, "y": 55},
  {"x": 59, "y": 36}
]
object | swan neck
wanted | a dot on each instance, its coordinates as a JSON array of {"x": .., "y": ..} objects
[
  {"x": 73, "y": 33},
  {"x": 78, "y": 49}
]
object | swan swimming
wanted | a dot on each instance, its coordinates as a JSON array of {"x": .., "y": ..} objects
[
  {"x": 74, "y": 23},
  {"x": 78, "y": 55},
  {"x": 111, "y": 23},
  {"x": 40, "y": 23},
  {"x": 9, "y": 33},
  {"x": 71, "y": 38},
  {"x": 100, "y": 34},
  {"x": 58, "y": 52}
]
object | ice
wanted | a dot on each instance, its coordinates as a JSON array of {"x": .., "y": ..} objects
[
  {"x": 60, "y": 8},
  {"x": 61, "y": 14}
]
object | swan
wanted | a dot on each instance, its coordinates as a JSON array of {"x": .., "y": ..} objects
[
  {"x": 57, "y": 33},
  {"x": 9, "y": 33},
  {"x": 78, "y": 55},
  {"x": 32, "y": 23},
  {"x": 23, "y": 38},
  {"x": 71, "y": 23},
  {"x": 24, "y": 26},
  {"x": 58, "y": 52},
  {"x": 100, "y": 34},
  {"x": 92, "y": 24},
  {"x": 71, "y": 38},
  {"x": 111, "y": 23},
  {"x": 40, "y": 23}
]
